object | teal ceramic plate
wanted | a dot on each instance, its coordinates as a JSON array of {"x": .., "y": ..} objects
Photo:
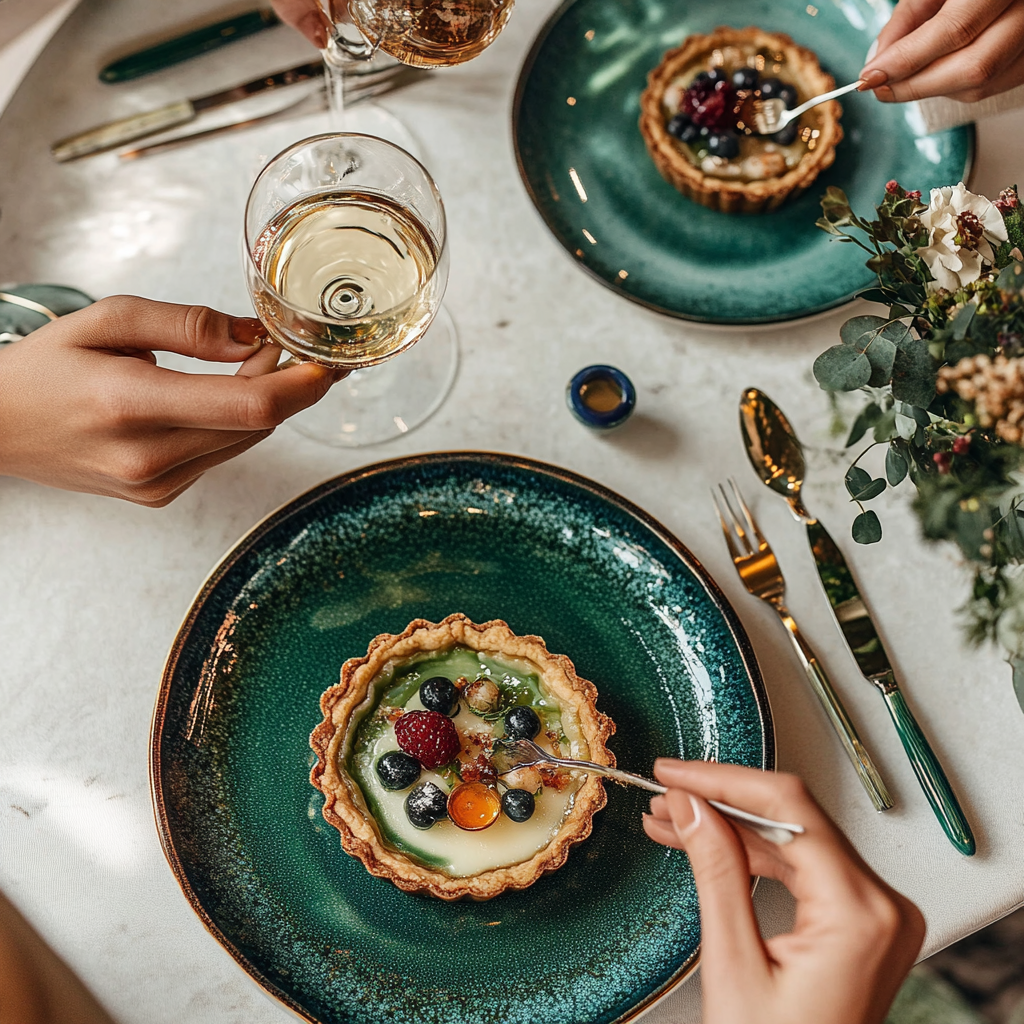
[
  {"x": 494, "y": 537},
  {"x": 575, "y": 133}
]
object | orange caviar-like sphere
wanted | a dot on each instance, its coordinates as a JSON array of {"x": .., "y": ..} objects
[{"x": 473, "y": 806}]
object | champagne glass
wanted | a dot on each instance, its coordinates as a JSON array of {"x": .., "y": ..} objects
[{"x": 346, "y": 263}]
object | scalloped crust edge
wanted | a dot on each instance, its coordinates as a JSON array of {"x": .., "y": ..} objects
[
  {"x": 345, "y": 809},
  {"x": 720, "y": 193}
]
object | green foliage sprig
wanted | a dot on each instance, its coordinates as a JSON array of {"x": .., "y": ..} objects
[{"x": 967, "y": 478}]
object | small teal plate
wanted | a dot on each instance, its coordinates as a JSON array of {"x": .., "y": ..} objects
[
  {"x": 575, "y": 132},
  {"x": 494, "y": 537}
]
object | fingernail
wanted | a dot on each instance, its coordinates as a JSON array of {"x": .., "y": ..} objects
[
  {"x": 885, "y": 94},
  {"x": 685, "y": 824},
  {"x": 249, "y": 332},
  {"x": 873, "y": 79}
]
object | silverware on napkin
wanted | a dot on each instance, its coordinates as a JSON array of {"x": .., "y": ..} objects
[
  {"x": 778, "y": 460},
  {"x": 137, "y": 126}
]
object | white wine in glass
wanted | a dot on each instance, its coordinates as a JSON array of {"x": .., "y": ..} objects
[
  {"x": 347, "y": 277},
  {"x": 347, "y": 264}
]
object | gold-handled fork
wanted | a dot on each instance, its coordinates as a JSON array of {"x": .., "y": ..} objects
[{"x": 759, "y": 570}]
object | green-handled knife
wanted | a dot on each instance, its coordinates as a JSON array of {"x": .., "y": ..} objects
[
  {"x": 185, "y": 47},
  {"x": 778, "y": 459}
]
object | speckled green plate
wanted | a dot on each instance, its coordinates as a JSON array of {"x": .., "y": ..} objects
[
  {"x": 575, "y": 133},
  {"x": 494, "y": 537}
]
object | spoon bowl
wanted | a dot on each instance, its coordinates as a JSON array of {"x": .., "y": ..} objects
[{"x": 773, "y": 448}]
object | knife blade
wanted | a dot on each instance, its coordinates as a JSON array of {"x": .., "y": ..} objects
[
  {"x": 862, "y": 637},
  {"x": 137, "y": 126},
  {"x": 191, "y": 44}
]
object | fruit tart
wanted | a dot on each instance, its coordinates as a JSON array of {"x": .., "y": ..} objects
[
  {"x": 410, "y": 758},
  {"x": 696, "y": 117}
]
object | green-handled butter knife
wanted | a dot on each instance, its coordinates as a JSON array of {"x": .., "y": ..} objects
[
  {"x": 191, "y": 44},
  {"x": 778, "y": 460}
]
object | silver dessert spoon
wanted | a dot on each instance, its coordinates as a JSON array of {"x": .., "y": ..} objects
[
  {"x": 771, "y": 116},
  {"x": 527, "y": 754}
]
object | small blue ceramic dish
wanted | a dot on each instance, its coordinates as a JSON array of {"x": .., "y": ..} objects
[{"x": 601, "y": 397}]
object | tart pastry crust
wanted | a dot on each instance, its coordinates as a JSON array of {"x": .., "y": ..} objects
[
  {"x": 730, "y": 196},
  {"x": 344, "y": 806}
]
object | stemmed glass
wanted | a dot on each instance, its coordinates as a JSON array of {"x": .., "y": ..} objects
[{"x": 346, "y": 263}]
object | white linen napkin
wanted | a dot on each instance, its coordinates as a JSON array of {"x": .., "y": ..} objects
[{"x": 939, "y": 113}]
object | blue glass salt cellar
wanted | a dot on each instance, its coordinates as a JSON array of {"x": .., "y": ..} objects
[{"x": 601, "y": 397}]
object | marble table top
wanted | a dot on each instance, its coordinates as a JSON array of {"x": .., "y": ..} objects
[{"x": 94, "y": 589}]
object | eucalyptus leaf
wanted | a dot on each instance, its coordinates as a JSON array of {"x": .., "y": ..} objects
[
  {"x": 1017, "y": 664},
  {"x": 906, "y": 426},
  {"x": 856, "y": 480},
  {"x": 962, "y": 321},
  {"x": 868, "y": 416},
  {"x": 885, "y": 426},
  {"x": 842, "y": 368},
  {"x": 895, "y": 465},
  {"x": 880, "y": 295},
  {"x": 858, "y": 330},
  {"x": 866, "y": 528},
  {"x": 873, "y": 490},
  {"x": 1011, "y": 277},
  {"x": 913, "y": 373}
]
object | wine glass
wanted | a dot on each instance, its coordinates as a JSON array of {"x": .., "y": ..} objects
[
  {"x": 346, "y": 263},
  {"x": 421, "y": 33}
]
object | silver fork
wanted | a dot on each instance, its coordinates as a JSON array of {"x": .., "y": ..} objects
[
  {"x": 771, "y": 116},
  {"x": 759, "y": 570},
  {"x": 778, "y": 832}
]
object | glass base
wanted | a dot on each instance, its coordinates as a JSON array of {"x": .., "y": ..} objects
[{"x": 386, "y": 401}]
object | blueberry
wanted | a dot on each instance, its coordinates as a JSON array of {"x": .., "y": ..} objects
[
  {"x": 439, "y": 694},
  {"x": 724, "y": 144},
  {"x": 717, "y": 75},
  {"x": 426, "y": 805},
  {"x": 397, "y": 770},
  {"x": 518, "y": 804},
  {"x": 788, "y": 96},
  {"x": 701, "y": 76},
  {"x": 787, "y": 135},
  {"x": 745, "y": 78},
  {"x": 682, "y": 128},
  {"x": 521, "y": 723},
  {"x": 770, "y": 88}
]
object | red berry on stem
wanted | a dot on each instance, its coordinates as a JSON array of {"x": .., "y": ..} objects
[
  {"x": 962, "y": 445},
  {"x": 428, "y": 736},
  {"x": 942, "y": 461}
]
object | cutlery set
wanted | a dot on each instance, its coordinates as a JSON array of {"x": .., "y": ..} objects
[{"x": 777, "y": 458}]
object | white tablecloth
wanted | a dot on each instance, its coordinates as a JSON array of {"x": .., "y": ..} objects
[{"x": 93, "y": 589}]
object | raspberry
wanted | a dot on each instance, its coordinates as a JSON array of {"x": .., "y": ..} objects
[
  {"x": 710, "y": 104},
  {"x": 428, "y": 736}
]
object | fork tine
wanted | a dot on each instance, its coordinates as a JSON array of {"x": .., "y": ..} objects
[
  {"x": 729, "y": 539},
  {"x": 761, "y": 542},
  {"x": 742, "y": 534}
]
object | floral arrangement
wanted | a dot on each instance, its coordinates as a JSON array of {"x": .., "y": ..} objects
[{"x": 943, "y": 376}]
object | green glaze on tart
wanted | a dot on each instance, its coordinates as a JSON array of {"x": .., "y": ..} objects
[{"x": 375, "y": 691}]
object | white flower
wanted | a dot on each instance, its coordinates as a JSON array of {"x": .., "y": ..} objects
[{"x": 961, "y": 227}]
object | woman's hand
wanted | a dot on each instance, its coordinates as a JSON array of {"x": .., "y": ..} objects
[
  {"x": 307, "y": 17},
  {"x": 964, "y": 49},
  {"x": 854, "y": 939},
  {"x": 83, "y": 405}
]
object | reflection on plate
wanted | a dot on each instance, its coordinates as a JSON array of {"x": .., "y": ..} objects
[
  {"x": 586, "y": 168},
  {"x": 365, "y": 553}
]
